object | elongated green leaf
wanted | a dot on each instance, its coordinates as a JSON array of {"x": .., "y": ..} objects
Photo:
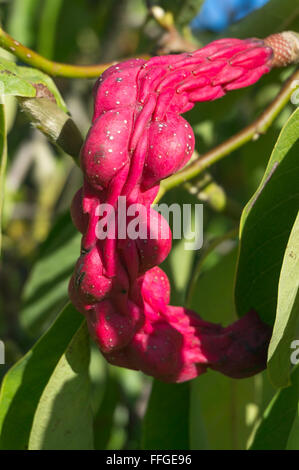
[
  {"x": 46, "y": 290},
  {"x": 287, "y": 314},
  {"x": 23, "y": 385},
  {"x": 3, "y": 161},
  {"x": 266, "y": 224},
  {"x": 166, "y": 423},
  {"x": 63, "y": 419},
  {"x": 273, "y": 431}
]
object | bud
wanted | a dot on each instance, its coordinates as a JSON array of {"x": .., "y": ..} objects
[
  {"x": 285, "y": 47},
  {"x": 139, "y": 137}
]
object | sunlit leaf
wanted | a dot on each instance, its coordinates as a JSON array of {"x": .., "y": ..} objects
[
  {"x": 23, "y": 385},
  {"x": 266, "y": 224},
  {"x": 63, "y": 419},
  {"x": 274, "y": 429},
  {"x": 27, "y": 82},
  {"x": 11, "y": 83},
  {"x": 39, "y": 80},
  {"x": 287, "y": 314}
]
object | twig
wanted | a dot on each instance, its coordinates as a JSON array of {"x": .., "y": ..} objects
[
  {"x": 251, "y": 132},
  {"x": 55, "y": 69}
]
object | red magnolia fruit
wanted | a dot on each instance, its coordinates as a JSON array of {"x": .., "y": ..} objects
[{"x": 138, "y": 138}]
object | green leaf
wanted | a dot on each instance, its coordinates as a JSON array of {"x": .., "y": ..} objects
[
  {"x": 265, "y": 227},
  {"x": 166, "y": 422},
  {"x": 287, "y": 313},
  {"x": 36, "y": 78},
  {"x": 27, "y": 82},
  {"x": 23, "y": 385},
  {"x": 46, "y": 290},
  {"x": 274, "y": 429},
  {"x": 63, "y": 419},
  {"x": 13, "y": 84},
  {"x": 3, "y": 162}
]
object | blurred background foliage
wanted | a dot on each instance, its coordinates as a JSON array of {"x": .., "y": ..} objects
[{"x": 40, "y": 245}]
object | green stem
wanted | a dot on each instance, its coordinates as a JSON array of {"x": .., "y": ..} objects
[
  {"x": 55, "y": 69},
  {"x": 251, "y": 132}
]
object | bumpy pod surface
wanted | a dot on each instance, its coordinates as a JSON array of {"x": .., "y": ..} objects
[{"x": 137, "y": 138}]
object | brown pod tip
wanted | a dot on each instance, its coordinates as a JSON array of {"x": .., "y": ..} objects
[{"x": 285, "y": 48}]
